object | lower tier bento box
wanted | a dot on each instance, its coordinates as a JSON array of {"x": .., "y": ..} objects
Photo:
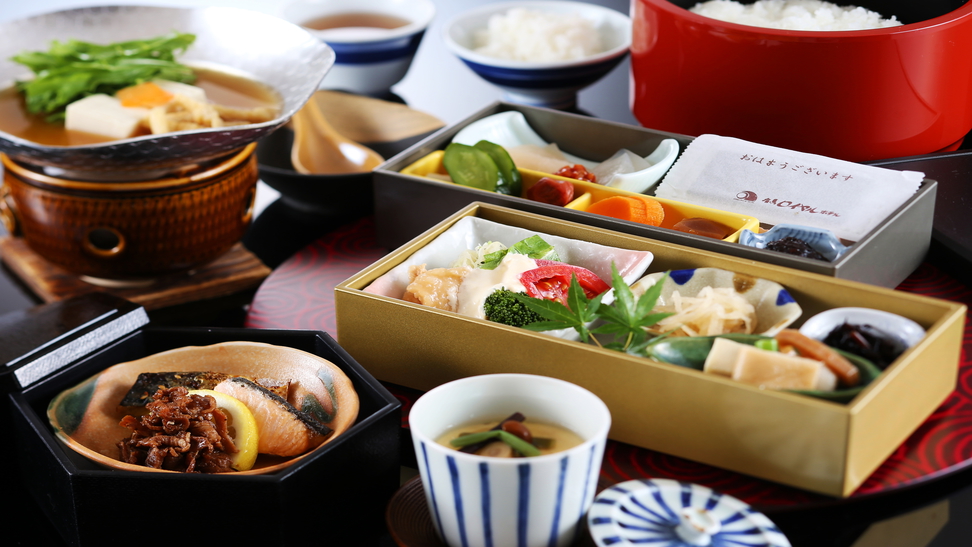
[
  {"x": 407, "y": 205},
  {"x": 789, "y": 438},
  {"x": 336, "y": 494}
]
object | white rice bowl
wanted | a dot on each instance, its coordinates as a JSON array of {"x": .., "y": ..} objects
[
  {"x": 794, "y": 15},
  {"x": 536, "y": 36}
]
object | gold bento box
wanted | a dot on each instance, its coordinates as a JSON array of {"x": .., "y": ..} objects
[{"x": 789, "y": 438}]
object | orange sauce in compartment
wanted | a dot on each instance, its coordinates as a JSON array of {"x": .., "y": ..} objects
[{"x": 703, "y": 227}]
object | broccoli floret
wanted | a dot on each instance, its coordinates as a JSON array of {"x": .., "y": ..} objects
[{"x": 503, "y": 307}]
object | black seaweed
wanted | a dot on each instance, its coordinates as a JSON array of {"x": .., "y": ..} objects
[
  {"x": 868, "y": 342},
  {"x": 794, "y": 246}
]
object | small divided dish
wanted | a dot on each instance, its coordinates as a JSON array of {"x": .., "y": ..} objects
[
  {"x": 794, "y": 439},
  {"x": 407, "y": 205},
  {"x": 586, "y": 193}
]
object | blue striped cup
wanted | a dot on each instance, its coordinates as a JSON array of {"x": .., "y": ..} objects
[
  {"x": 368, "y": 60},
  {"x": 480, "y": 501}
]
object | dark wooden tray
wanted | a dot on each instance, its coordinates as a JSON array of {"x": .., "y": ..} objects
[{"x": 236, "y": 271}]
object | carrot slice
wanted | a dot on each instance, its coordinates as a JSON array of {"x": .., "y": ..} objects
[
  {"x": 641, "y": 209},
  {"x": 622, "y": 207},
  {"x": 654, "y": 212},
  {"x": 845, "y": 371},
  {"x": 145, "y": 95}
]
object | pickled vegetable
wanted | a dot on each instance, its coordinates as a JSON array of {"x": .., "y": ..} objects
[
  {"x": 471, "y": 166},
  {"x": 510, "y": 182},
  {"x": 578, "y": 172},
  {"x": 552, "y": 191}
]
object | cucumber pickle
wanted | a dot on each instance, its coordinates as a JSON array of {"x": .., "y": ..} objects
[
  {"x": 510, "y": 181},
  {"x": 486, "y": 166},
  {"x": 470, "y": 166}
]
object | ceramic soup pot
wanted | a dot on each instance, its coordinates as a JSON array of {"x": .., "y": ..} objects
[{"x": 123, "y": 230}]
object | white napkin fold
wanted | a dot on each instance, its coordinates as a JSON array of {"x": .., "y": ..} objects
[{"x": 780, "y": 186}]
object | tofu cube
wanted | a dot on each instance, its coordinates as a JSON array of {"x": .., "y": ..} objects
[
  {"x": 104, "y": 115},
  {"x": 775, "y": 370}
]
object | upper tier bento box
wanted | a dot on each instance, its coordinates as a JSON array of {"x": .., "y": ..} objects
[
  {"x": 349, "y": 479},
  {"x": 793, "y": 439},
  {"x": 406, "y": 205}
]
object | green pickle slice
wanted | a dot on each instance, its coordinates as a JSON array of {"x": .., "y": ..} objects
[
  {"x": 510, "y": 182},
  {"x": 471, "y": 166}
]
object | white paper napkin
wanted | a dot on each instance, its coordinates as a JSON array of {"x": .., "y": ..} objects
[{"x": 780, "y": 186}]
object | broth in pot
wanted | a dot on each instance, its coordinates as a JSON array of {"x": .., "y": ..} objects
[{"x": 222, "y": 88}]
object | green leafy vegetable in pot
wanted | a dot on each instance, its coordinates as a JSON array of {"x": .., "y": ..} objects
[{"x": 72, "y": 70}]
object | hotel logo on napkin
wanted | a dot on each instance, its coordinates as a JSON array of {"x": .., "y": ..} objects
[{"x": 780, "y": 186}]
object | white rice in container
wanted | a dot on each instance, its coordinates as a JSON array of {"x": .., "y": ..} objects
[
  {"x": 794, "y": 15},
  {"x": 535, "y": 36}
]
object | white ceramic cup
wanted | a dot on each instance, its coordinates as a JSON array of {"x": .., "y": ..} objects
[
  {"x": 368, "y": 60},
  {"x": 479, "y": 501}
]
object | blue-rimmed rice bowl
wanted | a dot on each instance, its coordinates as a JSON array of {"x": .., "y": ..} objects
[{"x": 548, "y": 84}]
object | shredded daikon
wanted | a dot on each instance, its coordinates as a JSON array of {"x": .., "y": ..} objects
[
  {"x": 714, "y": 311},
  {"x": 474, "y": 258}
]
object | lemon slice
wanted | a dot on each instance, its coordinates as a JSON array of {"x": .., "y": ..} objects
[{"x": 241, "y": 425}]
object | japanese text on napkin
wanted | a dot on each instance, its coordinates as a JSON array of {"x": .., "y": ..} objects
[{"x": 780, "y": 186}]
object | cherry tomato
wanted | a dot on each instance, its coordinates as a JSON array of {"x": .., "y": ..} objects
[{"x": 551, "y": 281}]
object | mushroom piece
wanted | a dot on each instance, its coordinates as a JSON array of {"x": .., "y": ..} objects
[{"x": 497, "y": 449}]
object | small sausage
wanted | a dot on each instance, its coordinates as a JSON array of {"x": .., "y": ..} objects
[
  {"x": 846, "y": 372},
  {"x": 552, "y": 191}
]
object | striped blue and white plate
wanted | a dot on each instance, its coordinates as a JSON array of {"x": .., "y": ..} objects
[{"x": 667, "y": 513}]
